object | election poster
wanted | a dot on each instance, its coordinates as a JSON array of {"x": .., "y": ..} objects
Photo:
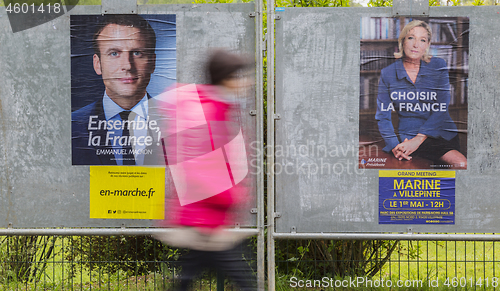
[
  {"x": 127, "y": 192},
  {"x": 119, "y": 64},
  {"x": 413, "y": 93},
  {"x": 416, "y": 197}
]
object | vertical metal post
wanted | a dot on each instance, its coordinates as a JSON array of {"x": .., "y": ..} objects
[
  {"x": 259, "y": 90},
  {"x": 270, "y": 146},
  {"x": 220, "y": 280}
]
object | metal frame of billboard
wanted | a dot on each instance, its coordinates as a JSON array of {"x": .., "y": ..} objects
[
  {"x": 36, "y": 163},
  {"x": 414, "y": 8},
  {"x": 400, "y": 8},
  {"x": 250, "y": 11}
]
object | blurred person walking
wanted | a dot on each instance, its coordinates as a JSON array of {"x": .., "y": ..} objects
[{"x": 206, "y": 156}]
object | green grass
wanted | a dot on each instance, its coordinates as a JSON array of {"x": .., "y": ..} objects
[
  {"x": 149, "y": 282},
  {"x": 437, "y": 265},
  {"x": 288, "y": 283},
  {"x": 139, "y": 283},
  {"x": 57, "y": 275},
  {"x": 441, "y": 260},
  {"x": 429, "y": 262}
]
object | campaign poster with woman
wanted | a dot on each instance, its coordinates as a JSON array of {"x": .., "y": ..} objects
[{"x": 413, "y": 93}]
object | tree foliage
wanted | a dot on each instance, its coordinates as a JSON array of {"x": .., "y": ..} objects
[
  {"x": 380, "y": 3},
  {"x": 312, "y": 3}
]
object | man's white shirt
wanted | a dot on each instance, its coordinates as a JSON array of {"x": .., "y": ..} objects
[{"x": 138, "y": 113}]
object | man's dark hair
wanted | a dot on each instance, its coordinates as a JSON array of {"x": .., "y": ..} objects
[
  {"x": 131, "y": 20},
  {"x": 222, "y": 64}
]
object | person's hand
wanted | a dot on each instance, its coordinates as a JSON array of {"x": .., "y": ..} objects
[
  {"x": 408, "y": 146},
  {"x": 400, "y": 155}
]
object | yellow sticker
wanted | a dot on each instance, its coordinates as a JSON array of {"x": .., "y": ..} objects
[
  {"x": 127, "y": 192},
  {"x": 416, "y": 174}
]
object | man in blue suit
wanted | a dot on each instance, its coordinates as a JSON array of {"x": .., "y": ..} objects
[{"x": 121, "y": 128}]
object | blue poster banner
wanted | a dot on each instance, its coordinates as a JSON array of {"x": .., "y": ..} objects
[{"x": 416, "y": 197}]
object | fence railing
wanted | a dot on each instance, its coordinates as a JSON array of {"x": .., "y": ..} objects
[
  {"x": 399, "y": 265},
  {"x": 125, "y": 262},
  {"x": 98, "y": 263}
]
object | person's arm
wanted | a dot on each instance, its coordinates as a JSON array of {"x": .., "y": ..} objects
[
  {"x": 384, "y": 117},
  {"x": 434, "y": 124}
]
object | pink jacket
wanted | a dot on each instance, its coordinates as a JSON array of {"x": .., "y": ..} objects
[{"x": 206, "y": 156}]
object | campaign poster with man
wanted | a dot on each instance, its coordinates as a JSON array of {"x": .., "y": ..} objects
[
  {"x": 413, "y": 93},
  {"x": 119, "y": 63}
]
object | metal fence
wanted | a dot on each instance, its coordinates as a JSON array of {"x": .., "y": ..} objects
[
  {"x": 142, "y": 263},
  {"x": 400, "y": 265},
  {"x": 99, "y": 263}
]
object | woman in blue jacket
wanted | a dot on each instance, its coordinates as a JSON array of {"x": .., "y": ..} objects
[{"x": 417, "y": 87}]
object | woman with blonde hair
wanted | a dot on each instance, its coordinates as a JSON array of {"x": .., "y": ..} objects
[{"x": 417, "y": 87}]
